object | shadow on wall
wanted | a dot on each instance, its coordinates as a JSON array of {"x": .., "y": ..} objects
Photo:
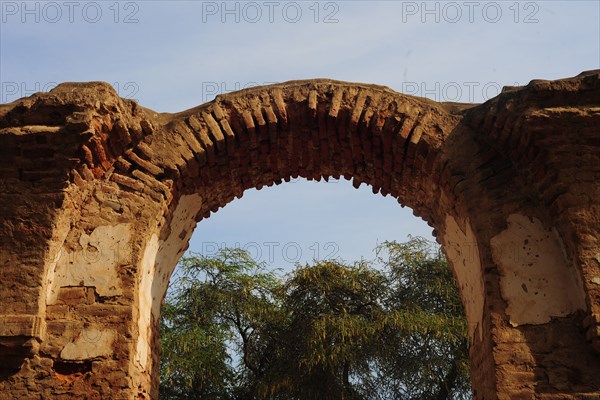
[
  {"x": 13, "y": 353},
  {"x": 561, "y": 344}
]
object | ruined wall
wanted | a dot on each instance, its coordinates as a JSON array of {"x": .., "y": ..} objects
[{"x": 99, "y": 197}]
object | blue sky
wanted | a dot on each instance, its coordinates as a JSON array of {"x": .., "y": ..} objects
[{"x": 174, "y": 55}]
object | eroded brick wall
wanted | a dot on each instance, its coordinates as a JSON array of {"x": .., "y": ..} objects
[{"x": 99, "y": 196}]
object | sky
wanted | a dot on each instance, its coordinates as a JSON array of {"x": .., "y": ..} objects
[{"x": 174, "y": 55}]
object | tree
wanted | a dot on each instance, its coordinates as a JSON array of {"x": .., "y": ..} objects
[
  {"x": 334, "y": 316},
  {"x": 214, "y": 304},
  {"x": 326, "y": 331},
  {"x": 424, "y": 354}
]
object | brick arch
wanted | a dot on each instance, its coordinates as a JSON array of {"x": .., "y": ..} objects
[
  {"x": 114, "y": 191},
  {"x": 313, "y": 129}
]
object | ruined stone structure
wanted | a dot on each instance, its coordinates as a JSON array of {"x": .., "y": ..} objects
[{"x": 99, "y": 197}]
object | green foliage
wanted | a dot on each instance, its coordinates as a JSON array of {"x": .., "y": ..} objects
[
  {"x": 326, "y": 331},
  {"x": 424, "y": 354},
  {"x": 214, "y": 303}
]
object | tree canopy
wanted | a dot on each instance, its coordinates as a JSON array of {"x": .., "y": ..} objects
[{"x": 392, "y": 328}]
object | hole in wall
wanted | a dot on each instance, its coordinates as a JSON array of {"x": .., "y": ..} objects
[{"x": 72, "y": 371}]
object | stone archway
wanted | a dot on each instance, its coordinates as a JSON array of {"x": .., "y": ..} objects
[{"x": 99, "y": 197}]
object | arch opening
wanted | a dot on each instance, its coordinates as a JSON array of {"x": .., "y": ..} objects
[{"x": 268, "y": 245}]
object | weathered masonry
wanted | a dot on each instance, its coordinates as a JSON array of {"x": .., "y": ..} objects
[{"x": 99, "y": 197}]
